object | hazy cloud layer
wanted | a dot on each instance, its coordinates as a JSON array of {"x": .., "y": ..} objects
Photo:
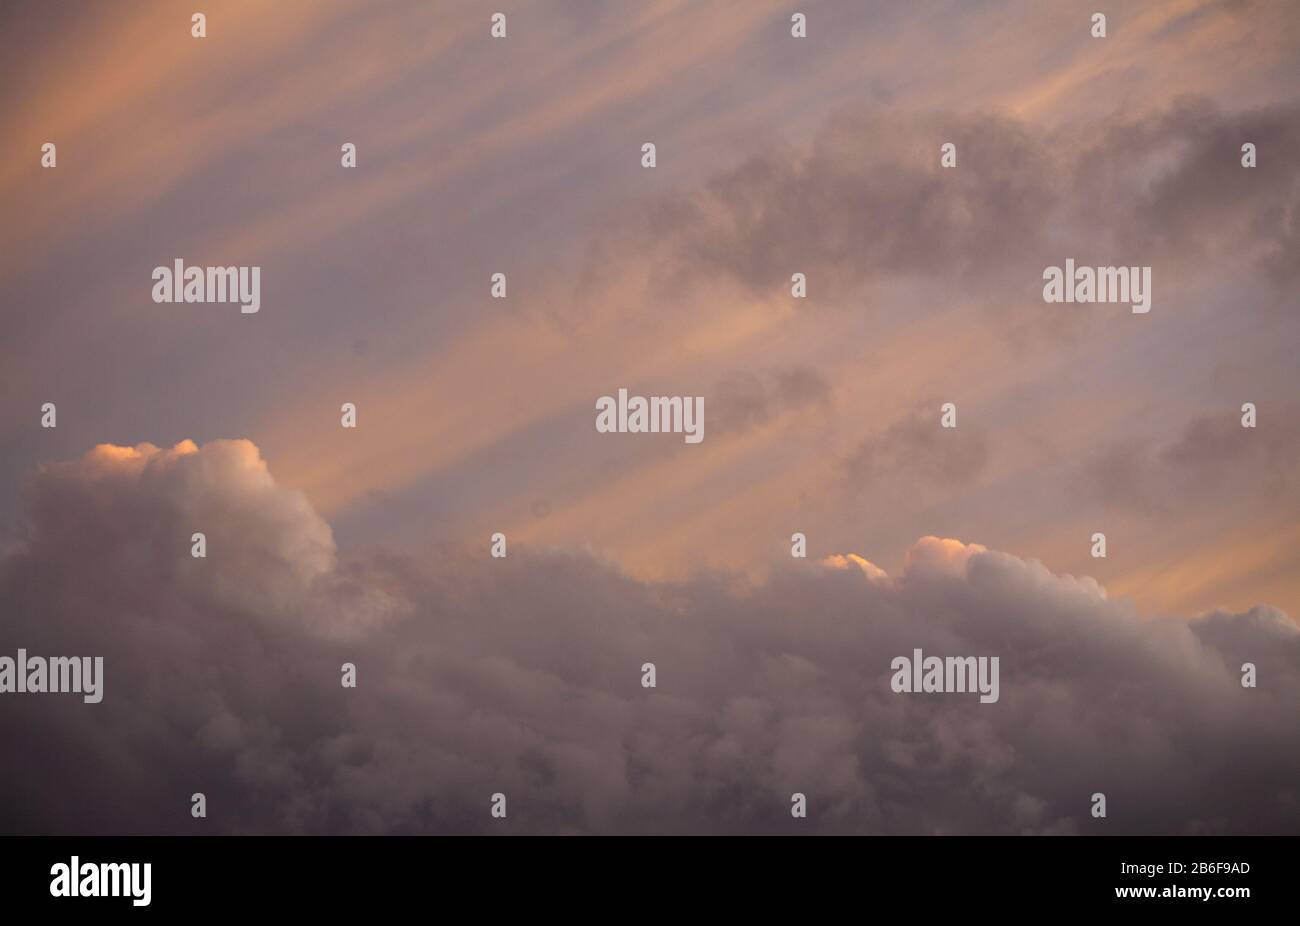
[
  {"x": 741, "y": 400},
  {"x": 867, "y": 201},
  {"x": 522, "y": 676},
  {"x": 1208, "y": 458},
  {"x": 915, "y": 453}
]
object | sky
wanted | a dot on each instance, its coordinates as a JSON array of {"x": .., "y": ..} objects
[{"x": 775, "y": 155}]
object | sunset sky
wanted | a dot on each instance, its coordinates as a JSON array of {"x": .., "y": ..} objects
[{"x": 775, "y": 155}]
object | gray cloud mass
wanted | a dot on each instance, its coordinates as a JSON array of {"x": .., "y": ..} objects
[{"x": 522, "y": 676}]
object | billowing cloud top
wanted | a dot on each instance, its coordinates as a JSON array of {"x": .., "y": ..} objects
[{"x": 523, "y": 676}]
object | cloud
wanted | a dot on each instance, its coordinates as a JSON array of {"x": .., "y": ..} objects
[
  {"x": 1211, "y": 455},
  {"x": 867, "y": 202},
  {"x": 1182, "y": 196},
  {"x": 846, "y": 561},
  {"x": 741, "y": 400},
  {"x": 118, "y": 508},
  {"x": 522, "y": 675},
  {"x": 917, "y": 452}
]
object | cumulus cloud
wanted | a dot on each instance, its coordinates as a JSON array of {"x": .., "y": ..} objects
[
  {"x": 124, "y": 508},
  {"x": 523, "y": 675}
]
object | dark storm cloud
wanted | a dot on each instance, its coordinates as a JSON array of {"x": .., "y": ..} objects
[{"x": 522, "y": 676}]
